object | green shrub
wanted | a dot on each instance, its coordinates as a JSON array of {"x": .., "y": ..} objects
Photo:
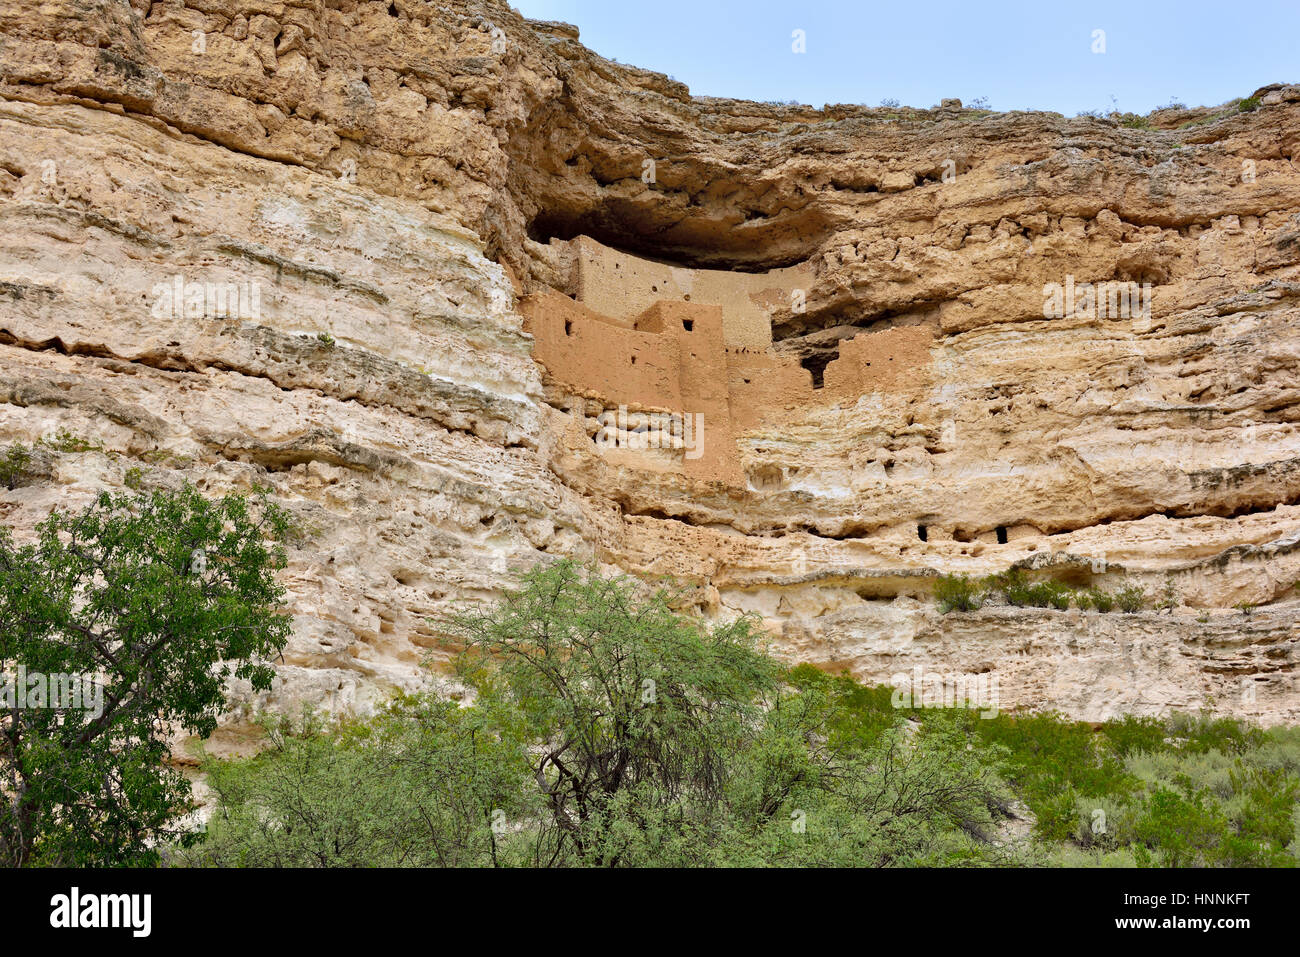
[
  {"x": 1002, "y": 581},
  {"x": 1047, "y": 753},
  {"x": 69, "y": 442},
  {"x": 421, "y": 784},
  {"x": 1266, "y": 812},
  {"x": 1059, "y": 595},
  {"x": 1180, "y": 830},
  {"x": 1169, "y": 597},
  {"x": 1132, "y": 735},
  {"x": 1097, "y": 598},
  {"x": 1131, "y": 598},
  {"x": 860, "y": 714},
  {"x": 1045, "y": 594},
  {"x": 1022, "y": 594},
  {"x": 1057, "y": 816},
  {"x": 958, "y": 593},
  {"x": 1248, "y": 105},
  {"x": 1073, "y": 857},
  {"x": 13, "y": 464},
  {"x": 1206, "y": 733}
]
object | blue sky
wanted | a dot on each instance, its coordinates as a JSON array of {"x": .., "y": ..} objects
[{"x": 1018, "y": 54}]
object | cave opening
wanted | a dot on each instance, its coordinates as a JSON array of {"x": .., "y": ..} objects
[
  {"x": 816, "y": 363},
  {"x": 631, "y": 232},
  {"x": 922, "y": 533},
  {"x": 1002, "y": 534}
]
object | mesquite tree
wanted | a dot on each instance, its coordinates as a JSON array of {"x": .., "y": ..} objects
[
  {"x": 637, "y": 709},
  {"x": 124, "y": 622}
]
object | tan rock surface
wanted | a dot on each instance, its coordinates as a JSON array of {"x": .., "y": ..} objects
[{"x": 392, "y": 177}]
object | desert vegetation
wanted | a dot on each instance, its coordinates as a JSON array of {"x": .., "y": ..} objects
[
  {"x": 603, "y": 728},
  {"x": 598, "y": 723},
  {"x": 1014, "y": 587}
]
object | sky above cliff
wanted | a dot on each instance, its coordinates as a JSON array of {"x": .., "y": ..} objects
[{"x": 1019, "y": 55}]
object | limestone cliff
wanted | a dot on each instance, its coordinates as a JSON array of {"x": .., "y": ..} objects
[{"x": 339, "y": 248}]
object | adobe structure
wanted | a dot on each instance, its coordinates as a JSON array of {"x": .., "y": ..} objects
[{"x": 661, "y": 338}]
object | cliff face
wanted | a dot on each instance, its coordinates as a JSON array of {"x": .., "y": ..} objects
[{"x": 332, "y": 247}]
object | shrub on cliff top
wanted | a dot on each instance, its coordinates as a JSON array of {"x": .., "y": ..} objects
[
  {"x": 13, "y": 463},
  {"x": 1131, "y": 599},
  {"x": 958, "y": 593},
  {"x": 1045, "y": 594},
  {"x": 1094, "y": 597}
]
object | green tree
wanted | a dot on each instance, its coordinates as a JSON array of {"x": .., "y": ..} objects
[
  {"x": 637, "y": 709},
  {"x": 157, "y": 599}
]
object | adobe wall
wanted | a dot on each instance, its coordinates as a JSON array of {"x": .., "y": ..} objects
[
  {"x": 620, "y": 285},
  {"x": 883, "y": 361},
  {"x": 651, "y": 351},
  {"x": 586, "y": 352},
  {"x": 672, "y": 359},
  {"x": 762, "y": 383}
]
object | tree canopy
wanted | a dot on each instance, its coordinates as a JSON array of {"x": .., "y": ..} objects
[{"x": 148, "y": 602}]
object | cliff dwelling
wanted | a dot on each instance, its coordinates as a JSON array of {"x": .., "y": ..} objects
[{"x": 651, "y": 336}]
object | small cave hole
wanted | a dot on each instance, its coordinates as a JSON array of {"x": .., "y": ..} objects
[
  {"x": 1002, "y": 534},
  {"x": 688, "y": 325},
  {"x": 922, "y": 533},
  {"x": 816, "y": 364},
  {"x": 568, "y": 327}
]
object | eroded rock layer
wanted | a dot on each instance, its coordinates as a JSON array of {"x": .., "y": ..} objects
[{"x": 340, "y": 249}]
